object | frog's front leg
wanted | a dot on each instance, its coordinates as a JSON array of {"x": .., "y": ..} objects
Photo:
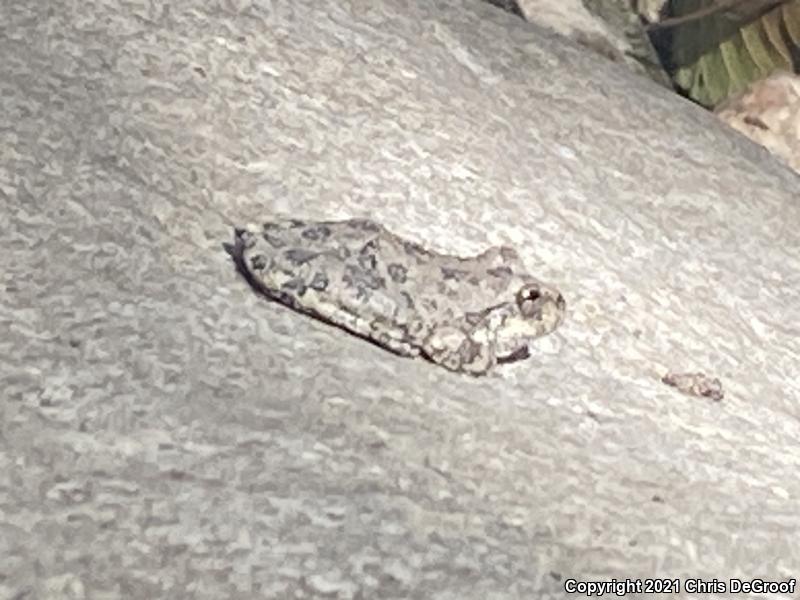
[{"x": 454, "y": 349}]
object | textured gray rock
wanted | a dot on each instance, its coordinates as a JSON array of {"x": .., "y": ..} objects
[
  {"x": 165, "y": 433},
  {"x": 611, "y": 28}
]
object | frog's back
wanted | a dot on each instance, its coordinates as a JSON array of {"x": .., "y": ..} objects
[
  {"x": 332, "y": 268},
  {"x": 368, "y": 268},
  {"x": 346, "y": 237}
]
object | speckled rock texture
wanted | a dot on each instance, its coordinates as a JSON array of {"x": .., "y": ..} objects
[
  {"x": 165, "y": 433},
  {"x": 611, "y": 28}
]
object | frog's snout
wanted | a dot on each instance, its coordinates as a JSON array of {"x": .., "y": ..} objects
[{"x": 536, "y": 300}]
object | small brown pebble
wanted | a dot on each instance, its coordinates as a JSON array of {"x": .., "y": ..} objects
[{"x": 696, "y": 384}]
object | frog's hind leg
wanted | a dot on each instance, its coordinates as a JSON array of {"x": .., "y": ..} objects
[
  {"x": 402, "y": 340},
  {"x": 373, "y": 331}
]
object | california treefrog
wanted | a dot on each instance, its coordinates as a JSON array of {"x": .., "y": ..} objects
[{"x": 465, "y": 314}]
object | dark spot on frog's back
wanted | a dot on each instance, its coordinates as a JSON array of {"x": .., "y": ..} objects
[
  {"x": 319, "y": 282},
  {"x": 300, "y": 256},
  {"x": 373, "y": 246},
  {"x": 410, "y": 306},
  {"x": 473, "y": 318},
  {"x": 365, "y": 225},
  {"x": 273, "y": 230},
  {"x": 316, "y": 232},
  {"x": 342, "y": 253},
  {"x": 451, "y": 273},
  {"x": 362, "y": 279},
  {"x": 296, "y": 286},
  {"x": 367, "y": 261},
  {"x": 273, "y": 234},
  {"x": 398, "y": 273},
  {"x": 367, "y": 256},
  {"x": 276, "y": 241},
  {"x": 258, "y": 262}
]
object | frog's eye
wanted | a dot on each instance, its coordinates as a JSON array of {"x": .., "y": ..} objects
[
  {"x": 535, "y": 300},
  {"x": 531, "y": 294},
  {"x": 528, "y": 300},
  {"x": 528, "y": 293}
]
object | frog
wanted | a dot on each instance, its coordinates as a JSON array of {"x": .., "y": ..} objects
[{"x": 465, "y": 314}]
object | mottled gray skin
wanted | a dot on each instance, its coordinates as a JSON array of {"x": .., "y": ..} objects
[{"x": 465, "y": 314}]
